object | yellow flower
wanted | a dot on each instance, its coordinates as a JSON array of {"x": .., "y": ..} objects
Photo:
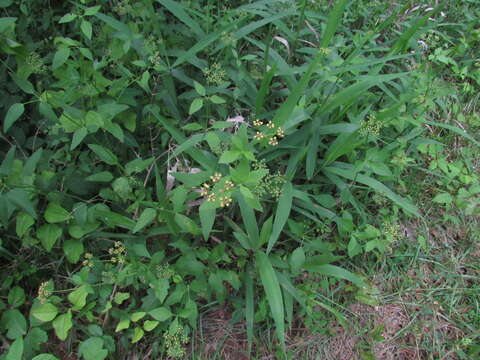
[
  {"x": 257, "y": 123},
  {"x": 280, "y": 133},
  {"x": 259, "y": 135},
  {"x": 273, "y": 141},
  {"x": 271, "y": 125}
]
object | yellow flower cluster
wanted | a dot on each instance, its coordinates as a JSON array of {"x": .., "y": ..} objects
[
  {"x": 216, "y": 177},
  {"x": 43, "y": 293},
  {"x": 371, "y": 126},
  {"x": 118, "y": 253},
  {"x": 273, "y": 140},
  {"x": 225, "y": 199},
  {"x": 88, "y": 260}
]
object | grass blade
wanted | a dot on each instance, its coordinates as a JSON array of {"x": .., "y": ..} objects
[
  {"x": 248, "y": 216},
  {"x": 249, "y": 306},
  {"x": 333, "y": 21},
  {"x": 335, "y": 271},
  {"x": 274, "y": 294},
  {"x": 281, "y": 216},
  {"x": 178, "y": 10}
]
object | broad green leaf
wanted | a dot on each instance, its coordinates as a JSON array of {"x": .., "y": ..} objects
[
  {"x": 16, "y": 297},
  {"x": 199, "y": 88},
  {"x": 149, "y": 325},
  {"x": 120, "y": 297},
  {"x": 44, "y": 312},
  {"x": 229, "y": 156},
  {"x": 20, "y": 198},
  {"x": 281, "y": 216},
  {"x": 60, "y": 57},
  {"x": 62, "y": 325},
  {"x": 23, "y": 223},
  {"x": 444, "y": 198},
  {"x": 137, "y": 334},
  {"x": 137, "y": 316},
  {"x": 15, "y": 352},
  {"x": 103, "y": 176},
  {"x": 73, "y": 250},
  {"x": 45, "y": 357},
  {"x": 104, "y": 154},
  {"x": 14, "y": 323},
  {"x": 92, "y": 10},
  {"x": 13, "y": 114},
  {"x": 92, "y": 349},
  {"x": 78, "y": 136},
  {"x": 48, "y": 234},
  {"x": 67, "y": 18},
  {"x": 186, "y": 224},
  {"x": 145, "y": 219},
  {"x": 123, "y": 324},
  {"x": 78, "y": 297},
  {"x": 56, "y": 214},
  {"x": 297, "y": 259},
  {"x": 160, "y": 314},
  {"x": 217, "y": 99},
  {"x": 196, "y": 105},
  {"x": 86, "y": 28},
  {"x": 274, "y": 294}
]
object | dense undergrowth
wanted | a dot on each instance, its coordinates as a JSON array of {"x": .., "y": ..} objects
[{"x": 169, "y": 166}]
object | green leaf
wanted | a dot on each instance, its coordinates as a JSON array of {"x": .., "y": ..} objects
[
  {"x": 229, "y": 156},
  {"x": 55, "y": 214},
  {"x": 217, "y": 100},
  {"x": 123, "y": 324},
  {"x": 62, "y": 325},
  {"x": 103, "y": 176},
  {"x": 444, "y": 198},
  {"x": 60, "y": 57},
  {"x": 24, "y": 223},
  {"x": 86, "y": 27},
  {"x": 207, "y": 218},
  {"x": 199, "y": 89},
  {"x": 20, "y": 198},
  {"x": 78, "y": 136},
  {"x": 73, "y": 249},
  {"x": 186, "y": 224},
  {"x": 178, "y": 10},
  {"x": 14, "y": 323},
  {"x": 149, "y": 325},
  {"x": 78, "y": 297},
  {"x": 250, "y": 221},
  {"x": 145, "y": 219},
  {"x": 48, "y": 234},
  {"x": 67, "y": 18},
  {"x": 297, "y": 259},
  {"x": 13, "y": 114},
  {"x": 15, "y": 351},
  {"x": 249, "y": 306},
  {"x": 335, "y": 271},
  {"x": 333, "y": 21},
  {"x": 137, "y": 334},
  {"x": 16, "y": 297},
  {"x": 104, "y": 154},
  {"x": 281, "y": 216},
  {"x": 44, "y": 312},
  {"x": 120, "y": 297},
  {"x": 45, "y": 357},
  {"x": 92, "y": 10},
  {"x": 137, "y": 316},
  {"x": 160, "y": 314},
  {"x": 196, "y": 105},
  {"x": 92, "y": 349},
  {"x": 377, "y": 186},
  {"x": 274, "y": 294}
]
